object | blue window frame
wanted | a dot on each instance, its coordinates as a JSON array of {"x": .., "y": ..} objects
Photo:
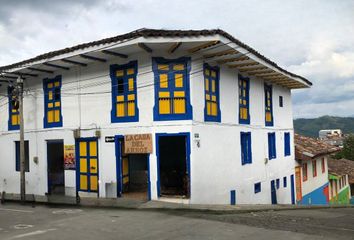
[
  {"x": 257, "y": 187},
  {"x": 212, "y": 100},
  {"x": 271, "y": 146},
  {"x": 246, "y": 148},
  {"x": 172, "y": 97},
  {"x": 268, "y": 105},
  {"x": 285, "y": 183},
  {"x": 14, "y": 113},
  {"x": 244, "y": 99},
  {"x": 124, "y": 92},
  {"x": 287, "y": 151},
  {"x": 17, "y": 148},
  {"x": 52, "y": 102}
]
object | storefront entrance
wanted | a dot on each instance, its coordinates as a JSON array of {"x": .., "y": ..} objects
[
  {"x": 173, "y": 165},
  {"x": 55, "y": 161},
  {"x": 132, "y": 173}
]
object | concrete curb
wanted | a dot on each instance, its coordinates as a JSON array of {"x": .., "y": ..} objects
[{"x": 125, "y": 204}]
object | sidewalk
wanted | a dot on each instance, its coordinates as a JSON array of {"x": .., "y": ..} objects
[{"x": 123, "y": 203}]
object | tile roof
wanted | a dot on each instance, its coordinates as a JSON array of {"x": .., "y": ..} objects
[
  {"x": 342, "y": 167},
  {"x": 148, "y": 33},
  {"x": 307, "y": 148}
]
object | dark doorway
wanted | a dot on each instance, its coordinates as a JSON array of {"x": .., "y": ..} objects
[
  {"x": 55, "y": 155},
  {"x": 135, "y": 176},
  {"x": 273, "y": 192},
  {"x": 174, "y": 178}
]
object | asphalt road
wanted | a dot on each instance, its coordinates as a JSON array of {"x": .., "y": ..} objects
[{"x": 42, "y": 222}]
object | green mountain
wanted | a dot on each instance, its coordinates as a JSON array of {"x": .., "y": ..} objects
[{"x": 310, "y": 126}]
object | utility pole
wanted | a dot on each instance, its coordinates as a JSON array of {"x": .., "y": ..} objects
[{"x": 19, "y": 89}]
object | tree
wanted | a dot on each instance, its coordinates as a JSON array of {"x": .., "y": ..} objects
[{"x": 348, "y": 148}]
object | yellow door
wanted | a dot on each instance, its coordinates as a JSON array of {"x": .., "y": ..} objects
[{"x": 88, "y": 165}]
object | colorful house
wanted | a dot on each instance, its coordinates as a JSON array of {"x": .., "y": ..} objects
[
  {"x": 187, "y": 116},
  {"x": 341, "y": 181},
  {"x": 311, "y": 172}
]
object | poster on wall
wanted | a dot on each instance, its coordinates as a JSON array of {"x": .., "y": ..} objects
[{"x": 69, "y": 157}]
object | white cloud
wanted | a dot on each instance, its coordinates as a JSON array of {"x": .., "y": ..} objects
[{"x": 312, "y": 38}]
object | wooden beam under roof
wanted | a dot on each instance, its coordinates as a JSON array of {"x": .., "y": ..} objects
[
  {"x": 74, "y": 62},
  {"x": 203, "y": 46},
  {"x": 174, "y": 47},
  {"x": 275, "y": 77},
  {"x": 257, "y": 72},
  {"x": 108, "y": 52},
  {"x": 26, "y": 74},
  {"x": 294, "y": 86},
  {"x": 93, "y": 58},
  {"x": 237, "y": 59},
  {"x": 40, "y": 70},
  {"x": 242, "y": 63},
  {"x": 220, "y": 54},
  {"x": 56, "y": 66},
  {"x": 277, "y": 81},
  {"x": 145, "y": 47},
  {"x": 251, "y": 69},
  {"x": 6, "y": 81},
  {"x": 266, "y": 74},
  {"x": 9, "y": 77}
]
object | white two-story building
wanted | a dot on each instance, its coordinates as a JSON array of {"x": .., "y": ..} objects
[{"x": 154, "y": 114}]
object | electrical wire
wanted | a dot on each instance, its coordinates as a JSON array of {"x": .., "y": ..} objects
[{"x": 63, "y": 92}]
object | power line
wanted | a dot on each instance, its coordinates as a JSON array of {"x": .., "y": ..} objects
[
  {"x": 148, "y": 65},
  {"x": 109, "y": 81}
]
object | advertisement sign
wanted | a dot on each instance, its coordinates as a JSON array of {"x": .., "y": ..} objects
[{"x": 69, "y": 157}]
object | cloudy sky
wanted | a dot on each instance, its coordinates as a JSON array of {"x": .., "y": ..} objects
[{"x": 312, "y": 38}]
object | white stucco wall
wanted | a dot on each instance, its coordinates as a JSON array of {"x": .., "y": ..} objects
[
  {"x": 312, "y": 182},
  {"x": 215, "y": 167}
]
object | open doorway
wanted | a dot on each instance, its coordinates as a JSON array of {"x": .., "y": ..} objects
[
  {"x": 134, "y": 172},
  {"x": 173, "y": 171},
  {"x": 55, "y": 158}
]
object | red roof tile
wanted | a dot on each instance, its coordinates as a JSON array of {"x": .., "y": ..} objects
[
  {"x": 307, "y": 148},
  {"x": 341, "y": 167}
]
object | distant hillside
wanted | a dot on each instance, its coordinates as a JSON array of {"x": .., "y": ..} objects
[{"x": 310, "y": 127}]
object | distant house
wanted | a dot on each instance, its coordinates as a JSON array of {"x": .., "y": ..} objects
[
  {"x": 341, "y": 181},
  {"x": 333, "y": 137},
  {"x": 311, "y": 171}
]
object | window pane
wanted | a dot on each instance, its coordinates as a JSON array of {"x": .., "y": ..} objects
[{"x": 120, "y": 85}]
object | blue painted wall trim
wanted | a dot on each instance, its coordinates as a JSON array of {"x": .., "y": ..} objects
[
  {"x": 244, "y": 121},
  {"x": 113, "y": 68},
  {"x": 316, "y": 197},
  {"x": 209, "y": 118},
  {"x": 268, "y": 89},
  {"x": 46, "y": 101},
  {"x": 189, "y": 111}
]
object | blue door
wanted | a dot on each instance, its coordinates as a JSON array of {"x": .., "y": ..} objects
[{"x": 292, "y": 189}]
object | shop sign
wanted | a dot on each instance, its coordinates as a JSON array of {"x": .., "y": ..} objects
[
  {"x": 69, "y": 157},
  {"x": 138, "y": 143}
]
